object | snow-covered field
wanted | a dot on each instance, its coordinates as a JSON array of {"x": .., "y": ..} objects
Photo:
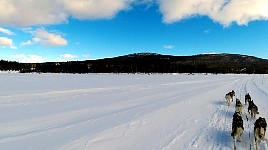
[{"x": 125, "y": 112}]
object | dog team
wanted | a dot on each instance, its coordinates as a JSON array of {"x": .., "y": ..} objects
[{"x": 237, "y": 124}]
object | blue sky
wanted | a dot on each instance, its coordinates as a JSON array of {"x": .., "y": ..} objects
[{"x": 34, "y": 31}]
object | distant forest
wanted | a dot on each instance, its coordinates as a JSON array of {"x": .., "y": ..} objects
[{"x": 149, "y": 63}]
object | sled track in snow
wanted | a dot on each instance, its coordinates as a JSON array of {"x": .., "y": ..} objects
[
  {"x": 221, "y": 122},
  {"x": 226, "y": 141},
  {"x": 159, "y": 112}
]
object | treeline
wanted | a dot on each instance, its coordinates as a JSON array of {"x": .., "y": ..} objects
[
  {"x": 10, "y": 65},
  {"x": 150, "y": 63}
]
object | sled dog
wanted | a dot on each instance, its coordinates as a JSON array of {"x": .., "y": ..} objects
[
  {"x": 252, "y": 109},
  {"x": 229, "y": 97},
  {"x": 237, "y": 128},
  {"x": 232, "y": 94},
  {"x": 247, "y": 98},
  {"x": 259, "y": 130},
  {"x": 238, "y": 106}
]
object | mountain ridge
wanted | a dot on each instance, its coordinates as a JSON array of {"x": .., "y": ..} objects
[{"x": 152, "y": 63}]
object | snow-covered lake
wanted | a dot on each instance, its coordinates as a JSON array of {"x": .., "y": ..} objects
[{"x": 125, "y": 111}]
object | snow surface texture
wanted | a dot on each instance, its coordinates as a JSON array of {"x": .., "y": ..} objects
[{"x": 125, "y": 112}]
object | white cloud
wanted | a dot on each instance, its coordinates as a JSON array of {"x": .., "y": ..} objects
[
  {"x": 222, "y": 11},
  {"x": 45, "y": 38},
  {"x": 13, "y": 47},
  {"x": 86, "y": 56},
  {"x": 29, "y": 59},
  {"x": 49, "y": 39},
  {"x": 6, "y": 31},
  {"x": 7, "y": 42},
  {"x": 22, "y": 13},
  {"x": 94, "y": 9},
  {"x": 210, "y": 53},
  {"x": 169, "y": 46},
  {"x": 20, "y": 56},
  {"x": 29, "y": 42},
  {"x": 66, "y": 57},
  {"x": 207, "y": 31},
  {"x": 31, "y": 12},
  {"x": 34, "y": 59}
]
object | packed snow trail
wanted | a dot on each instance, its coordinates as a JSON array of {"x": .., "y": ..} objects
[{"x": 126, "y": 111}]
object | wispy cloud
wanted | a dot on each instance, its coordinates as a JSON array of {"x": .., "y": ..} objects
[
  {"x": 6, "y": 31},
  {"x": 30, "y": 42},
  {"x": 66, "y": 57},
  {"x": 6, "y": 42},
  {"x": 207, "y": 31},
  {"x": 49, "y": 39},
  {"x": 211, "y": 53},
  {"x": 169, "y": 46},
  {"x": 29, "y": 58},
  {"x": 45, "y": 38},
  {"x": 86, "y": 56}
]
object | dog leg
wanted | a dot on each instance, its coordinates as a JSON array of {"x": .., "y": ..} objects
[
  {"x": 234, "y": 143},
  {"x": 256, "y": 142},
  {"x": 240, "y": 137}
]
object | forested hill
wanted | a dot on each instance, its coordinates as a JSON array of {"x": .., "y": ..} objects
[{"x": 150, "y": 63}]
